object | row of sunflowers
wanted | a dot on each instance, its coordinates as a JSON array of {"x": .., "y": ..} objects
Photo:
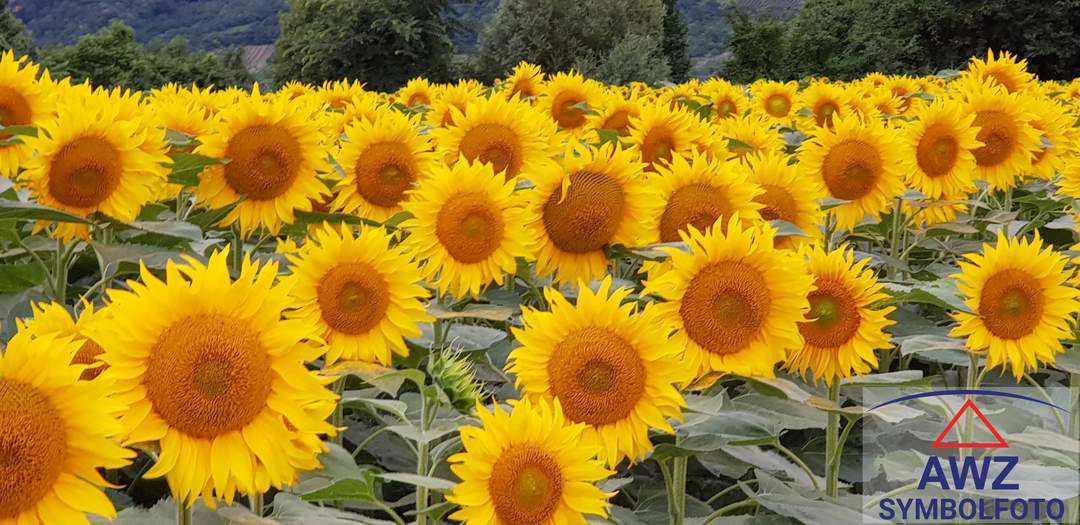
[{"x": 544, "y": 301}]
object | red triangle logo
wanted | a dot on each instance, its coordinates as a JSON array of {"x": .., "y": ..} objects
[{"x": 969, "y": 405}]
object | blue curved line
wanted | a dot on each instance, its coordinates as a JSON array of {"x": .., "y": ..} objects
[{"x": 966, "y": 392}]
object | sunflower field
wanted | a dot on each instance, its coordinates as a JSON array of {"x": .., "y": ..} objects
[{"x": 543, "y": 301}]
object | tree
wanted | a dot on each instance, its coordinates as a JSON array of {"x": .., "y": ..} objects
[
  {"x": 561, "y": 34},
  {"x": 382, "y": 43},
  {"x": 757, "y": 49},
  {"x": 675, "y": 45},
  {"x": 13, "y": 34}
]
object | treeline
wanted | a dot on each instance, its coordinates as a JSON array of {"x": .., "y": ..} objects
[{"x": 844, "y": 39}]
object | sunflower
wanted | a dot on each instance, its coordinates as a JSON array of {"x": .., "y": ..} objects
[
  {"x": 697, "y": 193},
  {"x": 525, "y": 82},
  {"x": 55, "y": 319},
  {"x": 455, "y": 96},
  {"x": 1069, "y": 184},
  {"x": 509, "y": 135},
  {"x": 925, "y": 213},
  {"x": 24, "y": 101},
  {"x": 857, "y": 162},
  {"x": 842, "y": 329},
  {"x": 749, "y": 135},
  {"x": 274, "y": 151},
  {"x": 58, "y": 431},
  {"x": 95, "y": 157},
  {"x": 567, "y": 99},
  {"x": 936, "y": 150},
  {"x": 592, "y": 199},
  {"x": 615, "y": 113},
  {"x": 1054, "y": 122},
  {"x": 336, "y": 94},
  {"x": 1021, "y": 303},
  {"x": 734, "y": 300},
  {"x": 361, "y": 292},
  {"x": 786, "y": 195},
  {"x": 727, "y": 100},
  {"x": 295, "y": 89},
  {"x": 216, "y": 379},
  {"x": 366, "y": 106},
  {"x": 546, "y": 475},
  {"x": 1003, "y": 70},
  {"x": 775, "y": 100},
  {"x": 382, "y": 160},
  {"x": 417, "y": 92},
  {"x": 660, "y": 134},
  {"x": 904, "y": 88},
  {"x": 821, "y": 102},
  {"x": 1009, "y": 140},
  {"x": 608, "y": 367},
  {"x": 463, "y": 228}
]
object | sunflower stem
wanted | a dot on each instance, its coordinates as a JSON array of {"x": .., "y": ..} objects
[
  {"x": 256, "y": 503},
  {"x": 422, "y": 458},
  {"x": 895, "y": 236},
  {"x": 337, "y": 419},
  {"x": 677, "y": 487},
  {"x": 832, "y": 439},
  {"x": 1072, "y": 514},
  {"x": 183, "y": 514},
  {"x": 971, "y": 383}
]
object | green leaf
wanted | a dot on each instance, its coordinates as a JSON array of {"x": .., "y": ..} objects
[
  {"x": 208, "y": 218},
  {"x": 174, "y": 229},
  {"x": 787, "y": 229},
  {"x": 414, "y": 434},
  {"x": 30, "y": 211},
  {"x": 790, "y": 414},
  {"x": 738, "y": 145},
  {"x": 291, "y": 510},
  {"x": 902, "y": 377},
  {"x": 344, "y": 490},
  {"x": 352, "y": 398},
  {"x": 490, "y": 312},
  {"x": 608, "y": 136},
  {"x": 119, "y": 259},
  {"x": 178, "y": 139},
  {"x": 186, "y": 168},
  {"x": 1068, "y": 361},
  {"x": 436, "y": 484},
  {"x": 925, "y": 294},
  {"x": 388, "y": 380},
  {"x": 19, "y": 277}
]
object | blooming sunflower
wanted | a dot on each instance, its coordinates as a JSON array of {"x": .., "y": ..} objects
[
  {"x": 55, "y": 319},
  {"x": 660, "y": 133},
  {"x": 508, "y": 134},
  {"x": 786, "y": 195},
  {"x": 775, "y": 100},
  {"x": 749, "y": 135},
  {"x": 543, "y": 476},
  {"x": 58, "y": 431},
  {"x": 615, "y": 112},
  {"x": 216, "y": 379},
  {"x": 1070, "y": 178},
  {"x": 463, "y": 227},
  {"x": 382, "y": 159},
  {"x": 455, "y": 96},
  {"x": 592, "y": 199},
  {"x": 821, "y": 102},
  {"x": 936, "y": 150},
  {"x": 608, "y": 367},
  {"x": 1054, "y": 122},
  {"x": 92, "y": 157},
  {"x": 361, "y": 292},
  {"x": 417, "y": 92},
  {"x": 24, "y": 101},
  {"x": 566, "y": 98},
  {"x": 524, "y": 82},
  {"x": 727, "y": 99},
  {"x": 857, "y": 162},
  {"x": 697, "y": 193},
  {"x": 734, "y": 300},
  {"x": 1003, "y": 70},
  {"x": 336, "y": 94},
  {"x": 1021, "y": 303},
  {"x": 1009, "y": 140},
  {"x": 274, "y": 151},
  {"x": 842, "y": 329}
]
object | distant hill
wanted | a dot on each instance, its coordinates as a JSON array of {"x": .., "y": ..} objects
[{"x": 214, "y": 24}]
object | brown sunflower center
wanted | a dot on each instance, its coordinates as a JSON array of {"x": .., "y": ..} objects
[
  {"x": 618, "y": 121},
  {"x": 777, "y": 204},
  {"x": 777, "y": 105},
  {"x": 567, "y": 112},
  {"x": 851, "y": 169},
  {"x": 87, "y": 355},
  {"x": 596, "y": 375},
  {"x": 85, "y": 172},
  {"x": 33, "y": 447},
  {"x": 833, "y": 318},
  {"x": 725, "y": 306},
  {"x": 14, "y": 110},
  {"x": 1011, "y": 304},
  {"x": 264, "y": 160},
  {"x": 526, "y": 486},
  {"x": 998, "y": 134},
  {"x": 658, "y": 144},
  {"x": 937, "y": 151},
  {"x": 523, "y": 88},
  {"x": 208, "y": 375},
  {"x": 384, "y": 172},
  {"x": 726, "y": 108},
  {"x": 824, "y": 111},
  {"x": 494, "y": 144},
  {"x": 418, "y": 99},
  {"x": 697, "y": 205},
  {"x": 353, "y": 298},
  {"x": 470, "y": 226},
  {"x": 1004, "y": 78},
  {"x": 588, "y": 217}
]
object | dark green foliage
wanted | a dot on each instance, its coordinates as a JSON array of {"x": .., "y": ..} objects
[
  {"x": 207, "y": 24},
  {"x": 382, "y": 43},
  {"x": 13, "y": 34},
  {"x": 675, "y": 45},
  {"x": 113, "y": 57},
  {"x": 844, "y": 39},
  {"x": 560, "y": 35}
]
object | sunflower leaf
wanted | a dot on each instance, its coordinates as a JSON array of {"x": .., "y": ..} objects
[
  {"x": 29, "y": 211},
  {"x": 186, "y": 168}
]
